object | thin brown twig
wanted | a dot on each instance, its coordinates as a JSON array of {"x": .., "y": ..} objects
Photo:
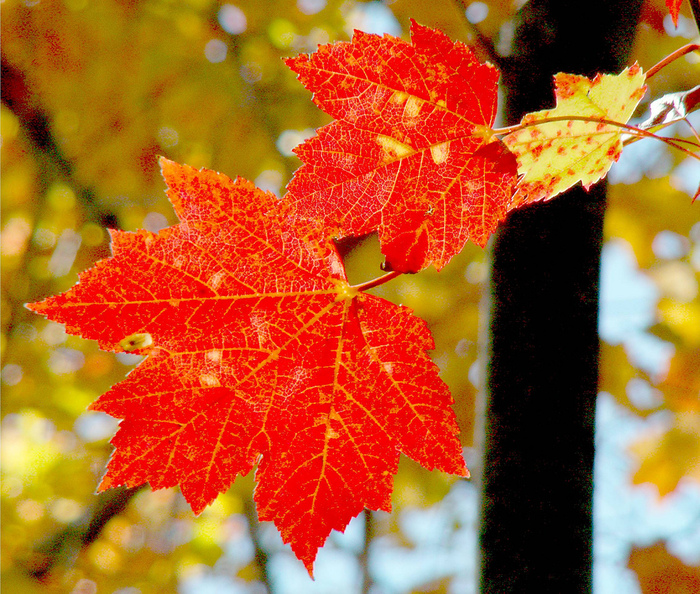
[
  {"x": 675, "y": 143},
  {"x": 679, "y": 53},
  {"x": 658, "y": 128},
  {"x": 692, "y": 129}
]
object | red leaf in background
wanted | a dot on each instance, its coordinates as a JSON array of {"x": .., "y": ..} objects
[
  {"x": 258, "y": 352},
  {"x": 411, "y": 153},
  {"x": 674, "y": 7}
]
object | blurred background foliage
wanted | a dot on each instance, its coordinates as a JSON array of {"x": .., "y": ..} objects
[{"x": 93, "y": 92}]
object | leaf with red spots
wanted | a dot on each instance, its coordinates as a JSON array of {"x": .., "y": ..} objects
[
  {"x": 411, "y": 152},
  {"x": 554, "y": 156},
  {"x": 259, "y": 352},
  {"x": 674, "y": 7}
]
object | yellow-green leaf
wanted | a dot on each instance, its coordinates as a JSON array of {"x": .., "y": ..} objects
[{"x": 554, "y": 156}]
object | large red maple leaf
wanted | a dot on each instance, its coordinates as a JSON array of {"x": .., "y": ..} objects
[
  {"x": 411, "y": 153},
  {"x": 258, "y": 352}
]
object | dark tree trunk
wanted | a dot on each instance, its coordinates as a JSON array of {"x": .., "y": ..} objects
[{"x": 536, "y": 521}]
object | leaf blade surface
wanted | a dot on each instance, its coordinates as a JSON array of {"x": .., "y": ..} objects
[
  {"x": 411, "y": 153},
  {"x": 553, "y": 156},
  {"x": 259, "y": 352}
]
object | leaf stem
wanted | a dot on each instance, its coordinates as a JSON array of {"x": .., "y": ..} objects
[
  {"x": 632, "y": 129},
  {"x": 680, "y": 52},
  {"x": 375, "y": 282}
]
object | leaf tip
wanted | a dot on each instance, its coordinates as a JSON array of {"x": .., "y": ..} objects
[
  {"x": 35, "y": 306},
  {"x": 674, "y": 9},
  {"x": 296, "y": 63},
  {"x": 42, "y": 307},
  {"x": 167, "y": 167},
  {"x": 108, "y": 482},
  {"x": 417, "y": 28}
]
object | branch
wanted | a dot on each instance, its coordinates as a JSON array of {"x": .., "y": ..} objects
[
  {"x": 262, "y": 560},
  {"x": 695, "y": 7},
  {"x": 64, "y": 545},
  {"x": 18, "y": 97},
  {"x": 364, "y": 555},
  {"x": 52, "y": 164},
  {"x": 484, "y": 42}
]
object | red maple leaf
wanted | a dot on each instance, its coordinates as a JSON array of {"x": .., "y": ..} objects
[
  {"x": 674, "y": 7},
  {"x": 258, "y": 352},
  {"x": 411, "y": 153}
]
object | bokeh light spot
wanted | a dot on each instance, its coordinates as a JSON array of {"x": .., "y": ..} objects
[
  {"x": 670, "y": 245},
  {"x": 30, "y": 510},
  {"x": 168, "y": 137},
  {"x": 311, "y": 6},
  {"x": 215, "y": 51},
  {"x": 105, "y": 557},
  {"x": 53, "y": 334},
  {"x": 64, "y": 255},
  {"x": 84, "y": 586},
  {"x": 11, "y": 374},
  {"x": 154, "y": 222},
  {"x": 282, "y": 33},
  {"x": 372, "y": 17},
  {"x": 95, "y": 426},
  {"x": 290, "y": 139},
  {"x": 129, "y": 359},
  {"x": 232, "y": 19},
  {"x": 477, "y": 12},
  {"x": 14, "y": 236},
  {"x": 476, "y": 272},
  {"x": 270, "y": 180},
  {"x": 63, "y": 361},
  {"x": 66, "y": 510},
  {"x": 92, "y": 234},
  {"x": 61, "y": 197}
]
